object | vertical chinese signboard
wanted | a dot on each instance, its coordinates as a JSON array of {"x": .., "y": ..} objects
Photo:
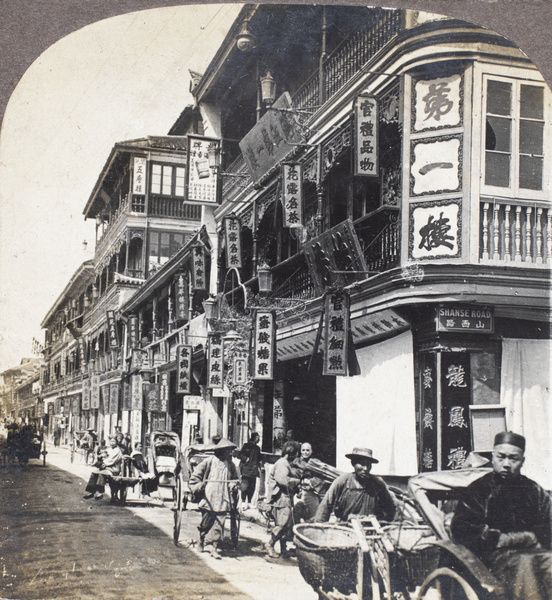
[
  {"x": 263, "y": 345},
  {"x": 198, "y": 268},
  {"x": 292, "y": 194},
  {"x": 232, "y": 230},
  {"x": 336, "y": 333},
  {"x": 181, "y": 300},
  {"x": 133, "y": 331},
  {"x": 112, "y": 330},
  {"x": 95, "y": 392},
  {"x": 202, "y": 180},
  {"x": 215, "y": 361},
  {"x": 136, "y": 392},
  {"x": 82, "y": 354},
  {"x": 114, "y": 398},
  {"x": 127, "y": 395},
  {"x": 184, "y": 369},
  {"x": 86, "y": 394},
  {"x": 164, "y": 393},
  {"x": 366, "y": 136},
  {"x": 455, "y": 402},
  {"x": 151, "y": 397},
  {"x": 139, "y": 176},
  {"x": 429, "y": 420}
]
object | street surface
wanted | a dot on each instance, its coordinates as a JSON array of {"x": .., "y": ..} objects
[{"x": 55, "y": 544}]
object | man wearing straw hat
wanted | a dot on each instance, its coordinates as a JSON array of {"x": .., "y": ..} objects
[
  {"x": 216, "y": 478},
  {"x": 357, "y": 493},
  {"x": 504, "y": 518}
]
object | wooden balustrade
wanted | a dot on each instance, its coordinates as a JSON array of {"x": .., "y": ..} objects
[{"x": 519, "y": 233}]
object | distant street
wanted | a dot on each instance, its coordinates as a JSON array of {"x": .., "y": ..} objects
[{"x": 57, "y": 545}]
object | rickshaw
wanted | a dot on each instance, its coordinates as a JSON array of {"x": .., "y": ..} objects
[
  {"x": 412, "y": 558},
  {"x": 24, "y": 444},
  {"x": 190, "y": 458},
  {"x": 164, "y": 456}
]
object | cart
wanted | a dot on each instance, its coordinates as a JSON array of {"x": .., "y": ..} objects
[
  {"x": 164, "y": 456},
  {"x": 412, "y": 558},
  {"x": 190, "y": 458}
]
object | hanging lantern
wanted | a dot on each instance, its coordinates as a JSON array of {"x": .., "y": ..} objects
[
  {"x": 264, "y": 273},
  {"x": 268, "y": 89}
]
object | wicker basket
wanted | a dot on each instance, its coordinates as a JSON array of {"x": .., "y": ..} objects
[{"x": 327, "y": 556}]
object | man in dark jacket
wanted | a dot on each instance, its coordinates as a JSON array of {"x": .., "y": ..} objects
[
  {"x": 357, "y": 493},
  {"x": 504, "y": 518},
  {"x": 250, "y": 469}
]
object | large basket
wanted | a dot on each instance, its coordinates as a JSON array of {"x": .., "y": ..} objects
[{"x": 327, "y": 556}]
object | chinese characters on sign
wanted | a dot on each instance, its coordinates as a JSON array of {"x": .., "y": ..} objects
[
  {"x": 435, "y": 166},
  {"x": 82, "y": 354},
  {"x": 181, "y": 297},
  {"x": 139, "y": 176},
  {"x": 86, "y": 394},
  {"x": 215, "y": 361},
  {"x": 240, "y": 371},
  {"x": 95, "y": 392},
  {"x": 184, "y": 369},
  {"x": 164, "y": 393},
  {"x": 112, "y": 328},
  {"x": 292, "y": 194},
  {"x": 465, "y": 318},
  {"x": 114, "y": 398},
  {"x": 233, "y": 242},
  {"x": 435, "y": 230},
  {"x": 151, "y": 397},
  {"x": 133, "y": 331},
  {"x": 202, "y": 180},
  {"x": 366, "y": 136},
  {"x": 136, "y": 392},
  {"x": 263, "y": 345},
  {"x": 198, "y": 268},
  {"x": 127, "y": 397},
  {"x": 76, "y": 404},
  {"x": 336, "y": 333},
  {"x": 437, "y": 103}
]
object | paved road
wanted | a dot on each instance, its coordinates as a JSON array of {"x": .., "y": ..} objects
[{"x": 54, "y": 544}]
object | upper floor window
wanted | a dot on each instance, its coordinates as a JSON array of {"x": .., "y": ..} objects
[
  {"x": 163, "y": 245},
  {"x": 514, "y": 136},
  {"x": 168, "y": 180}
]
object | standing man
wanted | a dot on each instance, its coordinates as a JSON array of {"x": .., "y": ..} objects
[
  {"x": 504, "y": 518},
  {"x": 217, "y": 479},
  {"x": 311, "y": 487},
  {"x": 357, "y": 493},
  {"x": 250, "y": 468},
  {"x": 280, "y": 488}
]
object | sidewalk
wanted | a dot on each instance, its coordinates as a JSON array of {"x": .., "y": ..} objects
[{"x": 244, "y": 568}]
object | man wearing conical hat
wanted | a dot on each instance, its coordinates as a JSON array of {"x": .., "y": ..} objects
[
  {"x": 217, "y": 478},
  {"x": 357, "y": 493},
  {"x": 504, "y": 518}
]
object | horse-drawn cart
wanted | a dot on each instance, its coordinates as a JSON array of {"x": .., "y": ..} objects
[{"x": 412, "y": 558}]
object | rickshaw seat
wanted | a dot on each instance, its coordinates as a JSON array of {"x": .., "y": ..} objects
[{"x": 165, "y": 463}]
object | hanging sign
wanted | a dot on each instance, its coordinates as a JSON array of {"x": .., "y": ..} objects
[
  {"x": 133, "y": 331},
  {"x": 181, "y": 300},
  {"x": 292, "y": 194},
  {"x": 151, "y": 397},
  {"x": 215, "y": 361},
  {"x": 198, "y": 268},
  {"x": 164, "y": 393},
  {"x": 202, "y": 180},
  {"x": 184, "y": 369},
  {"x": 114, "y": 398},
  {"x": 263, "y": 345},
  {"x": 76, "y": 407},
  {"x": 239, "y": 368},
  {"x": 136, "y": 392},
  {"x": 136, "y": 426},
  {"x": 112, "y": 329},
  {"x": 82, "y": 354},
  {"x": 86, "y": 394},
  {"x": 366, "y": 136},
  {"x": 336, "y": 333},
  {"x": 139, "y": 175},
  {"x": 127, "y": 396},
  {"x": 95, "y": 392},
  {"x": 232, "y": 230},
  {"x": 138, "y": 358},
  {"x": 459, "y": 317}
]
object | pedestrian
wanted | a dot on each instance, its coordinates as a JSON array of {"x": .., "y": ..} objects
[
  {"x": 504, "y": 518},
  {"x": 281, "y": 487},
  {"x": 311, "y": 488},
  {"x": 110, "y": 465},
  {"x": 250, "y": 469},
  {"x": 148, "y": 482},
  {"x": 216, "y": 480},
  {"x": 57, "y": 435},
  {"x": 357, "y": 493}
]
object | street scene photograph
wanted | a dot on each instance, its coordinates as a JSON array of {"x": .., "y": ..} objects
[{"x": 275, "y": 307}]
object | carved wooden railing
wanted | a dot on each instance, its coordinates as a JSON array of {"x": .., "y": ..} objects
[{"x": 513, "y": 231}]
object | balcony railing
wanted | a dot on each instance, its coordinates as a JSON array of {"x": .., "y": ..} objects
[
  {"x": 516, "y": 232},
  {"x": 348, "y": 58},
  {"x": 173, "y": 207}
]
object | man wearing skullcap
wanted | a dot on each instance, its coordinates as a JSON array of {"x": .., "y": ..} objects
[
  {"x": 357, "y": 493},
  {"x": 504, "y": 518}
]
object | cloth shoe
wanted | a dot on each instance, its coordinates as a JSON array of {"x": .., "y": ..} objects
[
  {"x": 98, "y": 496},
  {"x": 215, "y": 552},
  {"x": 88, "y": 495},
  {"x": 269, "y": 549}
]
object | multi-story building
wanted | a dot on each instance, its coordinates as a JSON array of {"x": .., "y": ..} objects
[
  {"x": 389, "y": 171},
  {"x": 20, "y": 393}
]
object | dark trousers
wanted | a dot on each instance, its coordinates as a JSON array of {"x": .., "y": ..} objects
[{"x": 247, "y": 487}]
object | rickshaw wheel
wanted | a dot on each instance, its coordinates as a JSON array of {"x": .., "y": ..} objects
[
  {"x": 445, "y": 584},
  {"x": 178, "y": 507}
]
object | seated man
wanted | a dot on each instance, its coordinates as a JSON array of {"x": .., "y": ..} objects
[
  {"x": 140, "y": 467},
  {"x": 357, "y": 493},
  {"x": 110, "y": 465},
  {"x": 504, "y": 518}
]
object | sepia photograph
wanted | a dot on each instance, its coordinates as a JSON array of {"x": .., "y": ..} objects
[{"x": 275, "y": 301}]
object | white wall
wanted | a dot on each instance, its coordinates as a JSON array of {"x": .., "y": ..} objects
[{"x": 377, "y": 410}]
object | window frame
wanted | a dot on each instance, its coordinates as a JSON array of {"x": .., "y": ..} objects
[
  {"x": 516, "y": 79},
  {"x": 177, "y": 180}
]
